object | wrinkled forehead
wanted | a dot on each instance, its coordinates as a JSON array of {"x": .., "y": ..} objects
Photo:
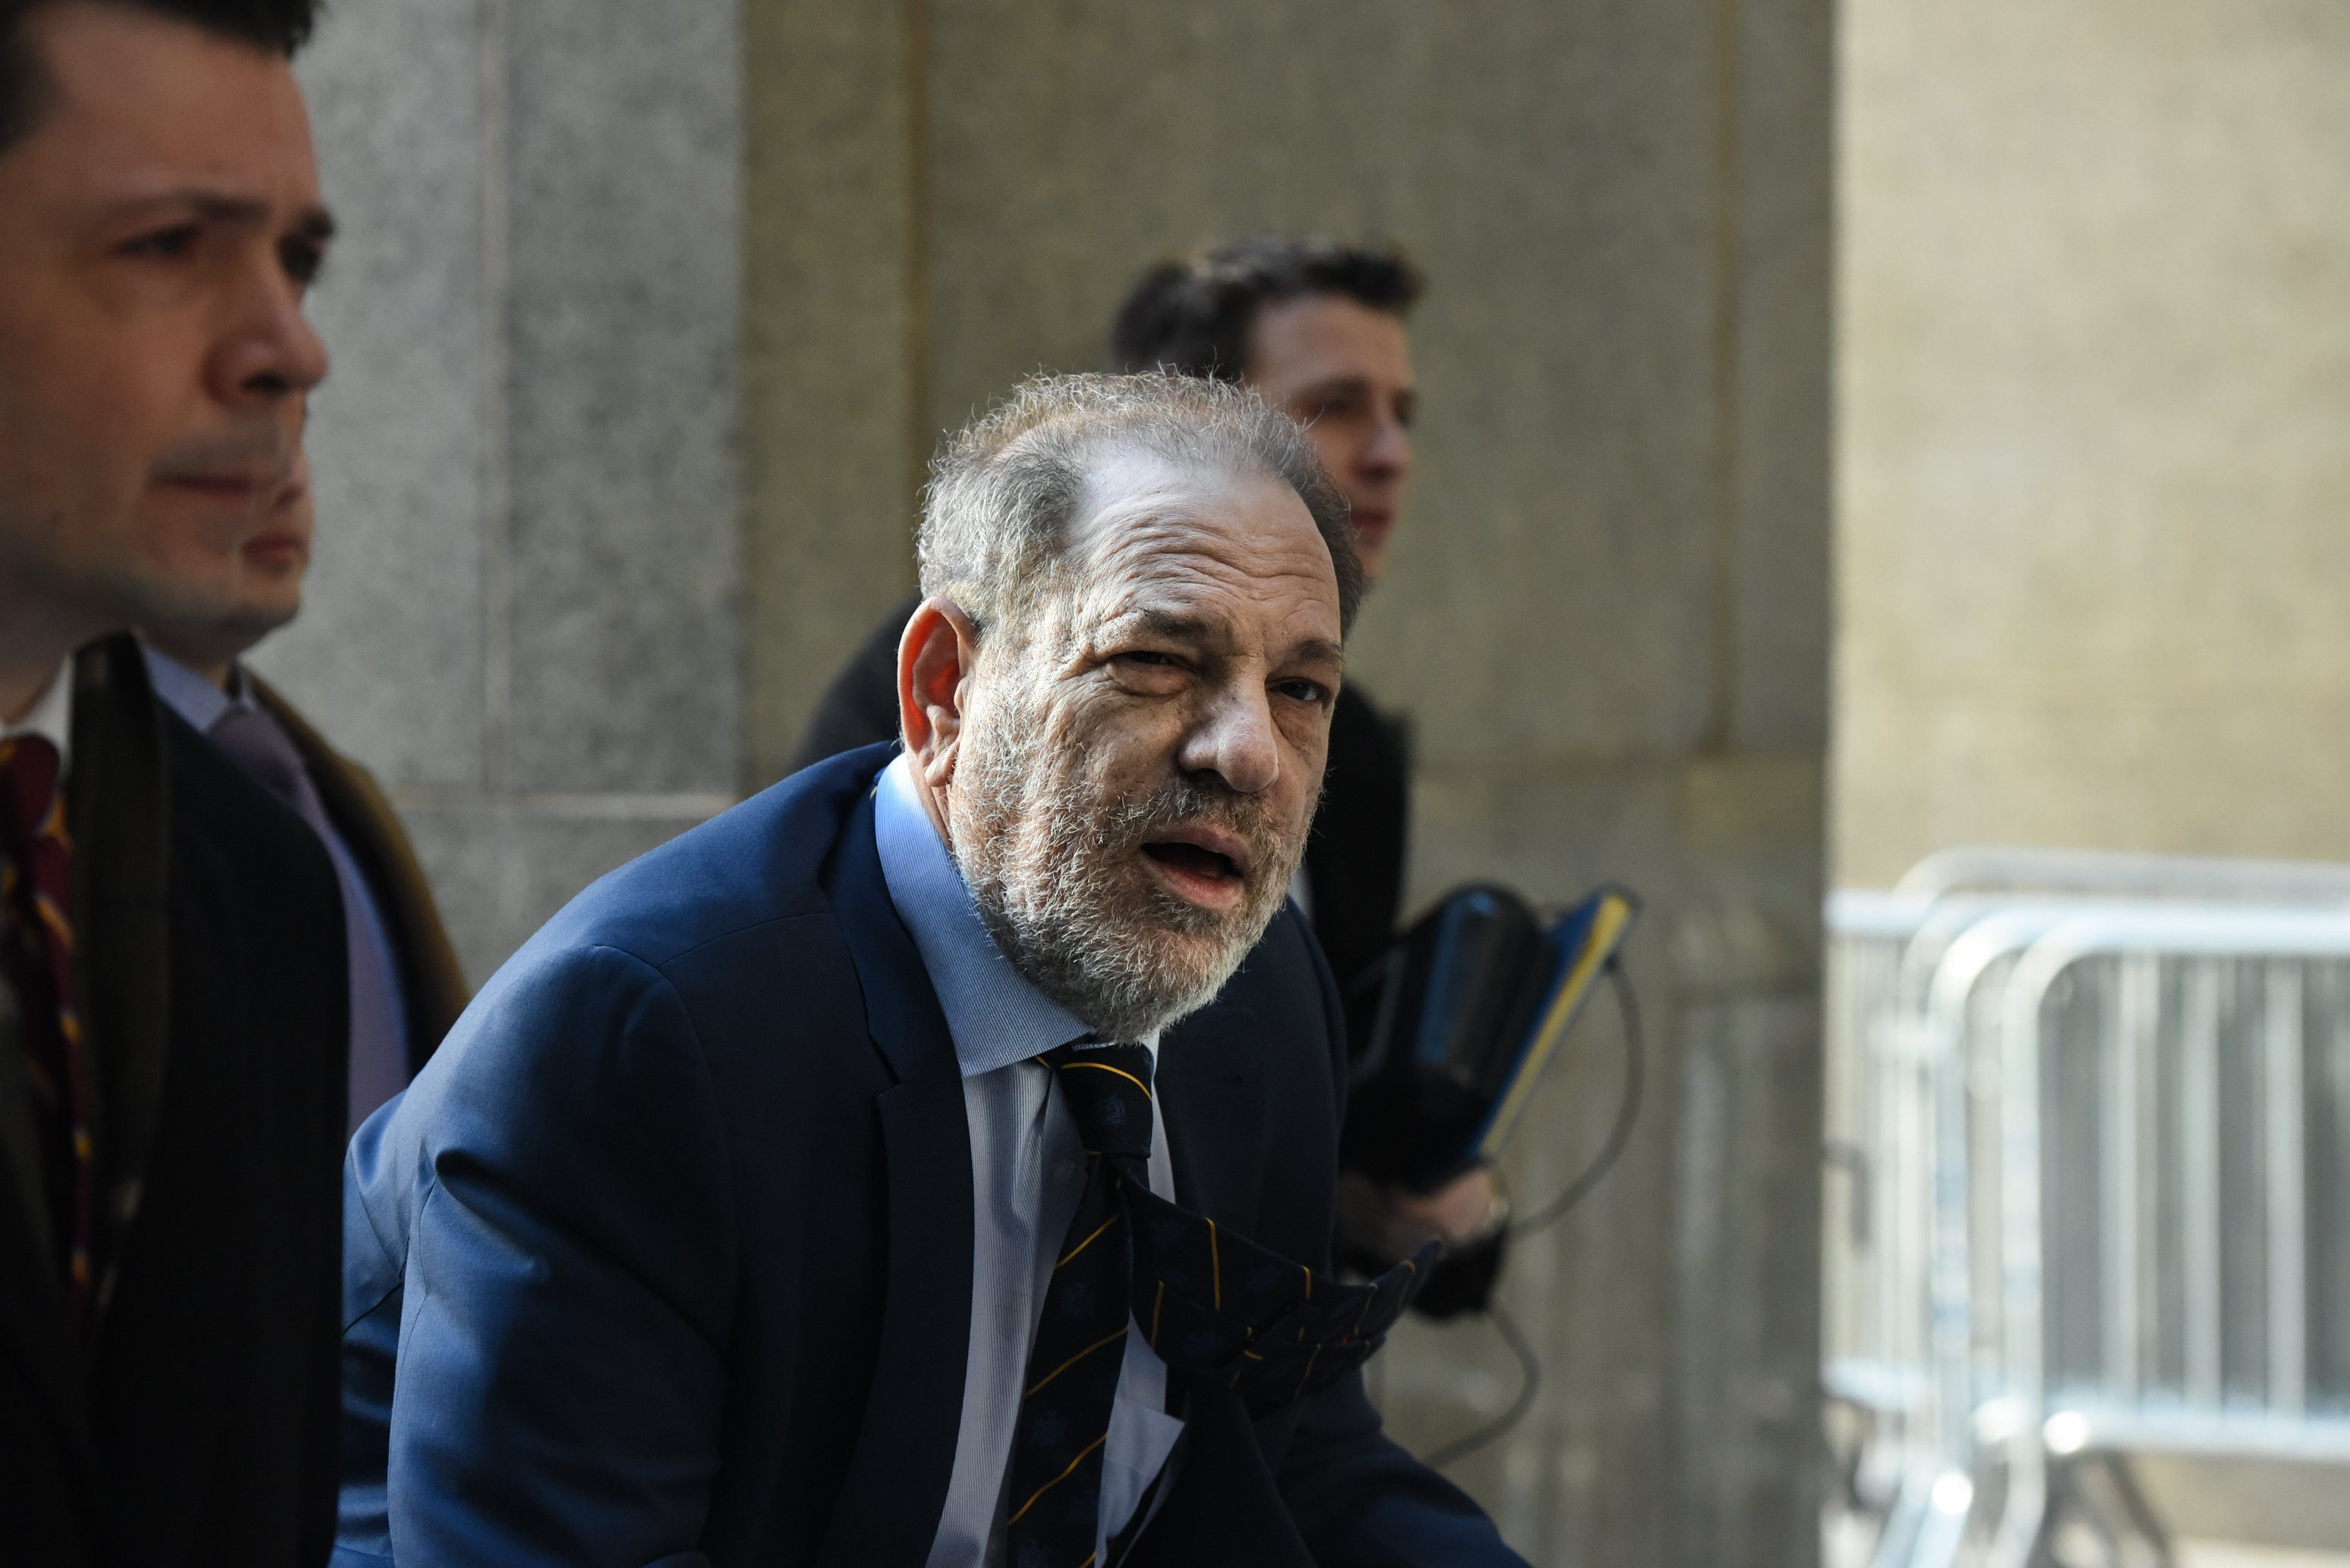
[{"x": 1153, "y": 534}]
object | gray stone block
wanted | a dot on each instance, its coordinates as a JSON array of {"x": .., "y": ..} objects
[
  {"x": 833, "y": 345},
  {"x": 387, "y": 653},
  {"x": 500, "y": 869},
  {"x": 1780, "y": 419},
  {"x": 625, "y": 240},
  {"x": 1669, "y": 1312},
  {"x": 1553, "y": 168}
]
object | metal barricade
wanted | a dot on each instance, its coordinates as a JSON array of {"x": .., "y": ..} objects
[
  {"x": 2066, "y": 1127},
  {"x": 2163, "y": 1198},
  {"x": 2025, "y": 871}
]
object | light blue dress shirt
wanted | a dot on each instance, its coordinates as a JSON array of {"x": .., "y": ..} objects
[{"x": 1027, "y": 1172}]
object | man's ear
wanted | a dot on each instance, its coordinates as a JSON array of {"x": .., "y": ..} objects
[{"x": 935, "y": 657}]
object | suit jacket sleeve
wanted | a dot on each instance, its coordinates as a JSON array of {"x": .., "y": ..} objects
[
  {"x": 1357, "y": 1498},
  {"x": 568, "y": 1278}
]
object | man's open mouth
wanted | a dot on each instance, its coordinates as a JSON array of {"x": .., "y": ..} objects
[
  {"x": 1202, "y": 862},
  {"x": 1196, "y": 860}
]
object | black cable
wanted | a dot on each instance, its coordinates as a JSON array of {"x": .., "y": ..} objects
[
  {"x": 1575, "y": 1192},
  {"x": 1619, "y": 1136},
  {"x": 1461, "y": 1448}
]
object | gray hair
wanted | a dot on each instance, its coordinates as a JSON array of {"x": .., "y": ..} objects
[{"x": 1005, "y": 491}]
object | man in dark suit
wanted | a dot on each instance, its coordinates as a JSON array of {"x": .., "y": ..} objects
[
  {"x": 171, "y": 1007},
  {"x": 1318, "y": 328},
  {"x": 406, "y": 987},
  {"x": 929, "y": 1161}
]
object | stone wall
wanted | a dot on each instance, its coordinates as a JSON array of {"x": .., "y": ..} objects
[
  {"x": 526, "y": 609},
  {"x": 2094, "y": 370}
]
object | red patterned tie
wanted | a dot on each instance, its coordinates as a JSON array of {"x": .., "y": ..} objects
[{"x": 35, "y": 893}]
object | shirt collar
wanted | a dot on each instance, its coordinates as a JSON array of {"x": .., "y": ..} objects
[
  {"x": 51, "y": 718},
  {"x": 190, "y": 695},
  {"x": 995, "y": 1016}
]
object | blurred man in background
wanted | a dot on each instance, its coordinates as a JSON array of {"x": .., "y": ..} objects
[
  {"x": 173, "y": 1014},
  {"x": 1317, "y": 328},
  {"x": 406, "y": 987}
]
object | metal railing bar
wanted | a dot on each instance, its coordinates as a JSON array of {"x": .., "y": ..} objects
[
  {"x": 2128, "y": 1065},
  {"x": 2200, "y": 1154},
  {"x": 2089, "y": 1428},
  {"x": 2016, "y": 1535},
  {"x": 2286, "y": 1175},
  {"x": 1871, "y": 1384},
  {"x": 1926, "y": 1079},
  {"x": 2019, "y": 868}
]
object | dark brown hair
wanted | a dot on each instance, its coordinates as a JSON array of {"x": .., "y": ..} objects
[
  {"x": 1192, "y": 316},
  {"x": 281, "y": 27}
]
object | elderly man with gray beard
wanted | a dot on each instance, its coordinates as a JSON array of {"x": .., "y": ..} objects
[{"x": 929, "y": 1162}]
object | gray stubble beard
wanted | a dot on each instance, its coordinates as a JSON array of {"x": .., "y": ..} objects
[{"x": 1044, "y": 859}]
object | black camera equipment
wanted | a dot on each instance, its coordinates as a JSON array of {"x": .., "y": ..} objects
[{"x": 1450, "y": 1030}]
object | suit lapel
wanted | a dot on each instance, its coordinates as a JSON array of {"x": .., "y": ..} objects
[
  {"x": 890, "y": 1503},
  {"x": 118, "y": 810},
  {"x": 1209, "y": 1093},
  {"x": 431, "y": 981}
]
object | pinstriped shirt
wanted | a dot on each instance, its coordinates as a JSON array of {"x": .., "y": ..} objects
[{"x": 1027, "y": 1172}]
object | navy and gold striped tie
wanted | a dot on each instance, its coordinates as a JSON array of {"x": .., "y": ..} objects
[{"x": 1211, "y": 1304}]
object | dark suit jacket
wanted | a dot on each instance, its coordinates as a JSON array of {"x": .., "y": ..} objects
[
  {"x": 1354, "y": 862},
  {"x": 669, "y": 1247},
  {"x": 431, "y": 982},
  {"x": 195, "y": 1424}
]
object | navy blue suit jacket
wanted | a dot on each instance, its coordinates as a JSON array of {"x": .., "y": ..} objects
[{"x": 670, "y": 1247}]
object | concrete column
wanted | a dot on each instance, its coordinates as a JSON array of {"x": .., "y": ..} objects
[
  {"x": 836, "y": 320},
  {"x": 525, "y": 609}
]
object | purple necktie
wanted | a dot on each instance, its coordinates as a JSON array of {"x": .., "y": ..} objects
[{"x": 378, "y": 1041}]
